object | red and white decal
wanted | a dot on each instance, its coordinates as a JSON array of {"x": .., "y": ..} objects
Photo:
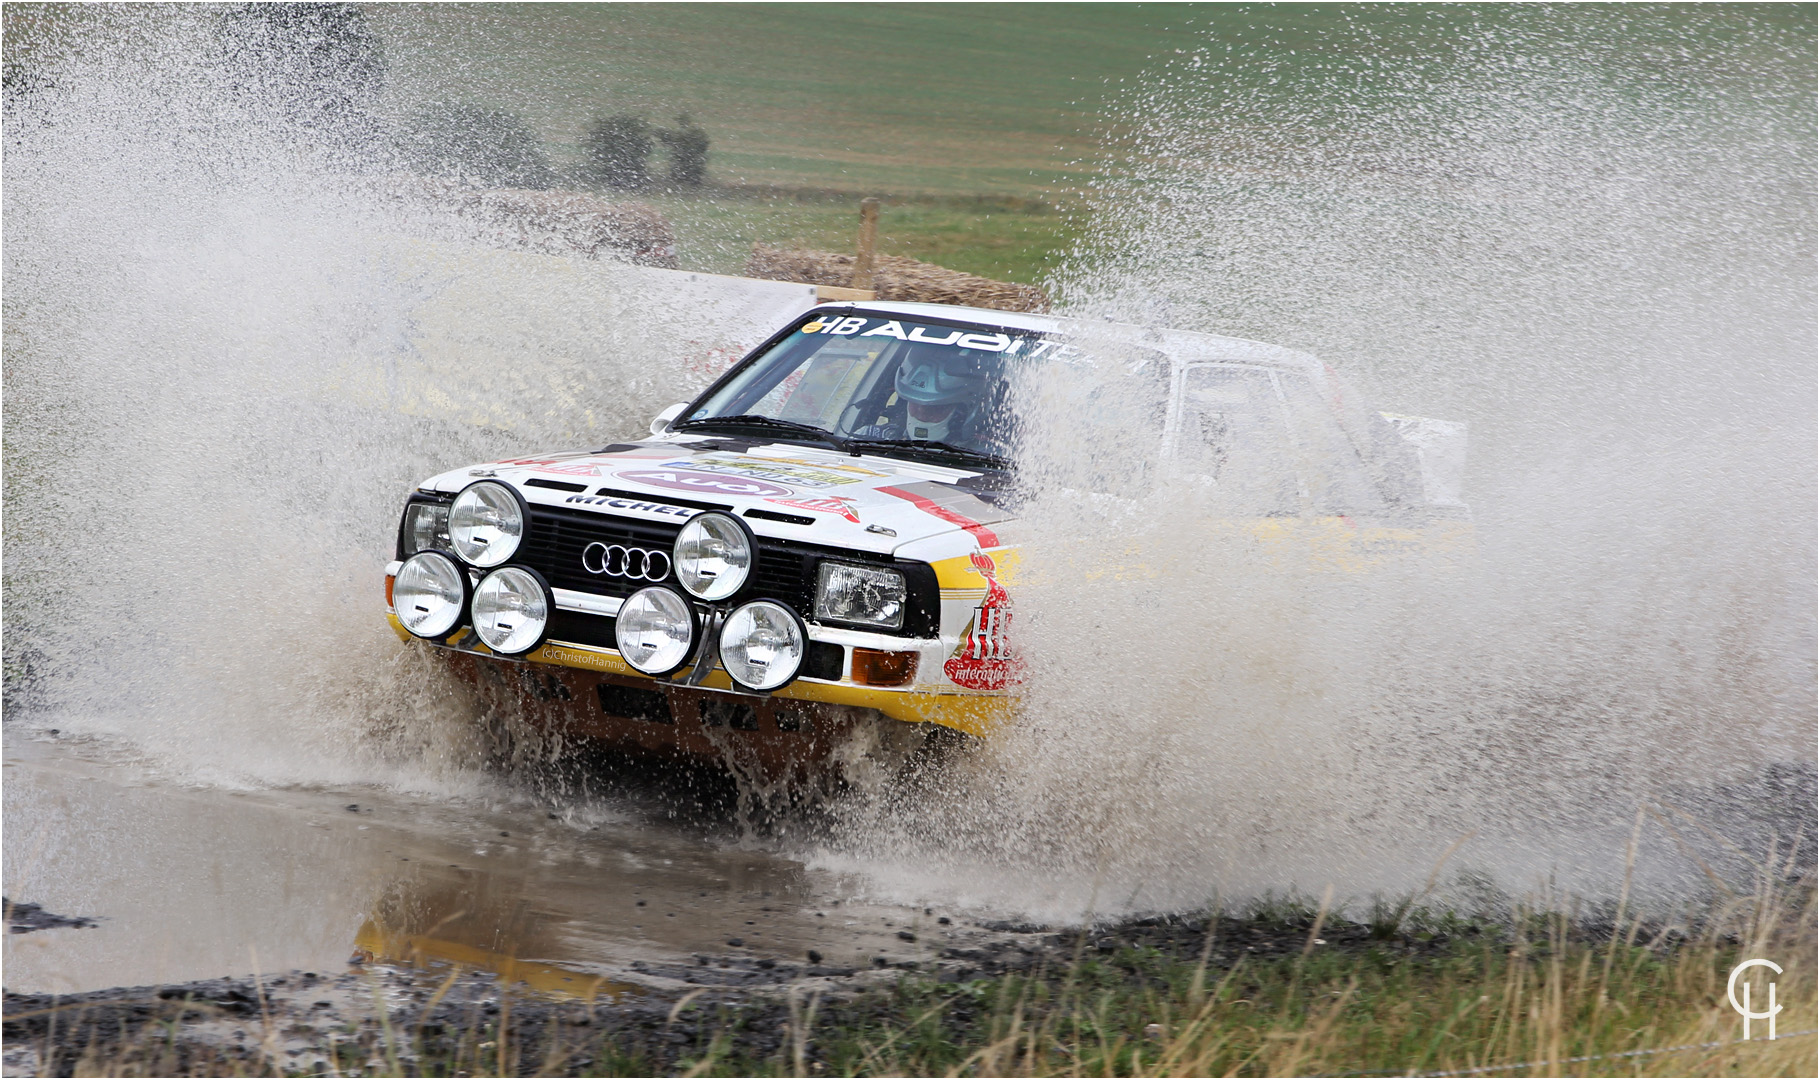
[
  {"x": 984, "y": 660},
  {"x": 986, "y": 537},
  {"x": 573, "y": 468},
  {"x": 843, "y": 507}
]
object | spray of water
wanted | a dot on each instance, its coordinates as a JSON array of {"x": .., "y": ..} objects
[
  {"x": 230, "y": 346},
  {"x": 234, "y": 339},
  {"x": 1589, "y": 235}
]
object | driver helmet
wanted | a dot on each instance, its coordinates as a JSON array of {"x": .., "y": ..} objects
[{"x": 940, "y": 387}]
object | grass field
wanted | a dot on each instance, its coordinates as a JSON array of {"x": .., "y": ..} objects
[
  {"x": 898, "y": 99},
  {"x": 975, "y": 113},
  {"x": 1007, "y": 238}
]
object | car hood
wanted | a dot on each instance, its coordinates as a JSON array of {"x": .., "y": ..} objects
[{"x": 807, "y": 494}]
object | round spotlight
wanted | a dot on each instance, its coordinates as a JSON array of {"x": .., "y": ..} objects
[
  {"x": 713, "y": 556},
  {"x": 762, "y": 645},
  {"x": 655, "y": 630},
  {"x": 486, "y": 522},
  {"x": 430, "y": 594},
  {"x": 512, "y": 608}
]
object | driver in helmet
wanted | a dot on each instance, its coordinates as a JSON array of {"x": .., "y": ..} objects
[{"x": 941, "y": 390}]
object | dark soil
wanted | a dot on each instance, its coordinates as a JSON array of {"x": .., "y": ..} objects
[
  {"x": 25, "y": 918},
  {"x": 300, "y": 1021}
]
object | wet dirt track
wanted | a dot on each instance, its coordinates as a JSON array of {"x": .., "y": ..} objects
[{"x": 187, "y": 883}]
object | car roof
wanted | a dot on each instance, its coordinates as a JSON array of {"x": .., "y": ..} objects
[{"x": 1182, "y": 346}]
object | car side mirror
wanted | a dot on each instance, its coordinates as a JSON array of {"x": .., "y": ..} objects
[{"x": 662, "y": 423}]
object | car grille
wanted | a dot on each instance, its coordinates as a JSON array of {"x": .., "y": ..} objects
[
  {"x": 786, "y": 569},
  {"x": 558, "y": 536}
]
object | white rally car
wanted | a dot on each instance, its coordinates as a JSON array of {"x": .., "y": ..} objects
[{"x": 826, "y": 537}]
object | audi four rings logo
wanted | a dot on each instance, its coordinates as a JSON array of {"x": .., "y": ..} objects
[{"x": 619, "y": 561}]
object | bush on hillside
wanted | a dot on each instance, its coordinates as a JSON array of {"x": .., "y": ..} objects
[
  {"x": 618, "y": 152},
  {"x": 687, "y": 145}
]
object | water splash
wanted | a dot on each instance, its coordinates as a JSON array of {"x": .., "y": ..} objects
[
  {"x": 234, "y": 339},
  {"x": 1589, "y": 235},
  {"x": 230, "y": 347}
]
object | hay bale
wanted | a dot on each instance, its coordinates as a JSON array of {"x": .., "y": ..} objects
[
  {"x": 896, "y": 277},
  {"x": 571, "y": 222}
]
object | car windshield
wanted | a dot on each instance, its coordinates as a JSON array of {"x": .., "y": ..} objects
[{"x": 866, "y": 379}]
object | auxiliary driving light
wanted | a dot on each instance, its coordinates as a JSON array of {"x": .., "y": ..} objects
[
  {"x": 655, "y": 630},
  {"x": 512, "y": 607},
  {"x": 486, "y": 521},
  {"x": 713, "y": 556},
  {"x": 762, "y": 645},
  {"x": 430, "y": 593}
]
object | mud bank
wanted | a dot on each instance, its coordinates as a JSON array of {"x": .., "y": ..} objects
[{"x": 379, "y": 1018}]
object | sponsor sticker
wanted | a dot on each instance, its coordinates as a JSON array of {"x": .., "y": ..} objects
[
  {"x": 573, "y": 468},
  {"x": 633, "y": 504},
  {"x": 795, "y": 471},
  {"x": 977, "y": 340},
  {"x": 984, "y": 660},
  {"x": 694, "y": 480},
  {"x": 843, "y": 507}
]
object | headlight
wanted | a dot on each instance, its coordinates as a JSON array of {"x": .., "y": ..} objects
[
  {"x": 713, "y": 556},
  {"x": 655, "y": 630},
  {"x": 430, "y": 594},
  {"x": 762, "y": 645},
  {"x": 860, "y": 594},
  {"x": 485, "y": 523},
  {"x": 426, "y": 526},
  {"x": 512, "y": 609}
]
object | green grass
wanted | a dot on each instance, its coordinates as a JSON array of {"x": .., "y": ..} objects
[
  {"x": 917, "y": 98},
  {"x": 1010, "y": 239},
  {"x": 1017, "y": 99}
]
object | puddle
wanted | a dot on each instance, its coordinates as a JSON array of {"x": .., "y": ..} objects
[{"x": 190, "y": 883}]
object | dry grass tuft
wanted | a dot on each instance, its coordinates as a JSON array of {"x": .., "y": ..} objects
[{"x": 896, "y": 277}]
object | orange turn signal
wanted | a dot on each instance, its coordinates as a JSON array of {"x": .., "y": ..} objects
[
  {"x": 876, "y": 667},
  {"x": 389, "y": 579}
]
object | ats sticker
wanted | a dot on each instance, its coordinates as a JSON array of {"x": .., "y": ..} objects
[
  {"x": 690, "y": 480},
  {"x": 784, "y": 471},
  {"x": 843, "y": 507},
  {"x": 984, "y": 660}
]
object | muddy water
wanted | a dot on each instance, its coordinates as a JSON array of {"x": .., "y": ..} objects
[{"x": 190, "y": 883}]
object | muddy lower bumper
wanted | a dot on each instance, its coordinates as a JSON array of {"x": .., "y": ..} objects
[{"x": 591, "y": 691}]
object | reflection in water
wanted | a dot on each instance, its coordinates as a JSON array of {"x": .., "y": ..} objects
[{"x": 474, "y": 921}]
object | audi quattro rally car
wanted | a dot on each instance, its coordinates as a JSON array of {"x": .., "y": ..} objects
[{"x": 826, "y": 536}]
